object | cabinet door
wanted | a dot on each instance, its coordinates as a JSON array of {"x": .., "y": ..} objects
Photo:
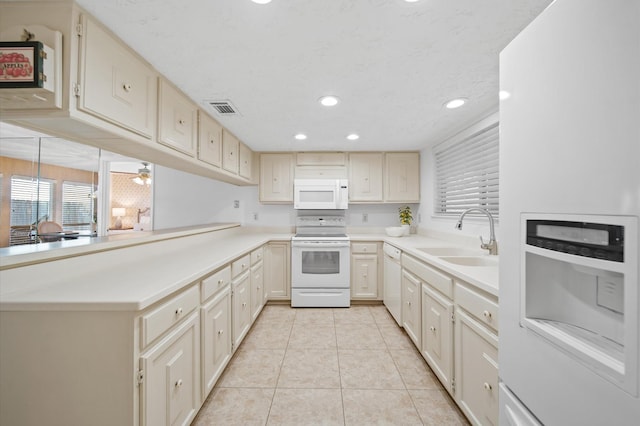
[
  {"x": 364, "y": 276},
  {"x": 230, "y": 152},
  {"x": 365, "y": 177},
  {"x": 437, "y": 334},
  {"x": 241, "y": 308},
  {"x": 216, "y": 339},
  {"x": 177, "y": 119},
  {"x": 476, "y": 367},
  {"x": 411, "y": 307},
  {"x": 210, "y": 140},
  {"x": 278, "y": 270},
  {"x": 276, "y": 178},
  {"x": 245, "y": 161},
  {"x": 402, "y": 177},
  {"x": 170, "y": 393},
  {"x": 115, "y": 84},
  {"x": 257, "y": 290}
]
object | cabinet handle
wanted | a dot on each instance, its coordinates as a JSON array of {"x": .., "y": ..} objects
[
  {"x": 364, "y": 275},
  {"x": 179, "y": 311},
  {"x": 244, "y": 266},
  {"x": 258, "y": 287},
  {"x": 487, "y": 386},
  {"x": 179, "y": 383},
  {"x": 220, "y": 282},
  {"x": 487, "y": 314},
  {"x": 244, "y": 305},
  {"x": 126, "y": 87},
  {"x": 181, "y": 121},
  {"x": 432, "y": 328},
  {"x": 220, "y": 332},
  {"x": 409, "y": 302},
  {"x": 212, "y": 141}
]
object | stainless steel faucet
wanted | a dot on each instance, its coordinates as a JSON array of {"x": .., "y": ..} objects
[{"x": 492, "y": 245}]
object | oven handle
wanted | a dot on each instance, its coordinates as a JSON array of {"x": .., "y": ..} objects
[{"x": 320, "y": 244}]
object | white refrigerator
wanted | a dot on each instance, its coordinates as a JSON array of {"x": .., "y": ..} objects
[{"x": 570, "y": 212}]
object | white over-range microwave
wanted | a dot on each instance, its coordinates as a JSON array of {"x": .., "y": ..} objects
[{"x": 320, "y": 194}]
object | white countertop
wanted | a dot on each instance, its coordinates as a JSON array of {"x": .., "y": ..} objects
[{"x": 131, "y": 276}]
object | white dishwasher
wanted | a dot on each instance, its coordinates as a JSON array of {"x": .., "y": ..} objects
[{"x": 392, "y": 280}]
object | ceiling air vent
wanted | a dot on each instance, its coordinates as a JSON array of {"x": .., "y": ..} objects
[{"x": 222, "y": 107}]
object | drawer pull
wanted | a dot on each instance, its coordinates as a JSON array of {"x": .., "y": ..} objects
[
  {"x": 244, "y": 266},
  {"x": 487, "y": 314},
  {"x": 179, "y": 383},
  {"x": 432, "y": 328},
  {"x": 220, "y": 282},
  {"x": 258, "y": 288},
  {"x": 244, "y": 304},
  {"x": 126, "y": 87},
  {"x": 179, "y": 311},
  {"x": 181, "y": 122},
  {"x": 487, "y": 386},
  {"x": 409, "y": 302},
  {"x": 220, "y": 332}
]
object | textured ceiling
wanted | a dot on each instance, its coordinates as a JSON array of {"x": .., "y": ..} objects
[{"x": 393, "y": 64}]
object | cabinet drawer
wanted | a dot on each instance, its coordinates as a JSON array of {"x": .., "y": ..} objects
[
  {"x": 240, "y": 265},
  {"x": 162, "y": 318},
  {"x": 215, "y": 282},
  {"x": 256, "y": 256},
  {"x": 481, "y": 307},
  {"x": 436, "y": 279},
  {"x": 364, "y": 248}
]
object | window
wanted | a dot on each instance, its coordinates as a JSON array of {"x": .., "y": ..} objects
[
  {"x": 31, "y": 202},
  {"x": 77, "y": 206},
  {"x": 467, "y": 173}
]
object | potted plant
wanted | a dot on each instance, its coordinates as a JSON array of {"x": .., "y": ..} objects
[{"x": 405, "y": 219}]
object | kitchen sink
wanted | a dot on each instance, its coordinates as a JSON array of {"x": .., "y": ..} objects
[
  {"x": 472, "y": 260},
  {"x": 453, "y": 251}
]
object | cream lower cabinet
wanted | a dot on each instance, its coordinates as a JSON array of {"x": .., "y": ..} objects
[
  {"x": 411, "y": 307},
  {"x": 170, "y": 393},
  {"x": 241, "y": 300},
  {"x": 364, "y": 271},
  {"x": 437, "y": 334},
  {"x": 277, "y": 270},
  {"x": 257, "y": 283},
  {"x": 216, "y": 338},
  {"x": 476, "y": 355}
]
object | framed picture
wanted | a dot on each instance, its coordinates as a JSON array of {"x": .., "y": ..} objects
[{"x": 21, "y": 64}]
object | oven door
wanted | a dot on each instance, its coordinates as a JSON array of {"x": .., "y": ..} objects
[{"x": 320, "y": 264}]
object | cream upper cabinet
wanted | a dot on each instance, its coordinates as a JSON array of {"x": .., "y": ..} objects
[
  {"x": 171, "y": 389},
  {"x": 177, "y": 119},
  {"x": 230, "y": 152},
  {"x": 209, "y": 140},
  {"x": 402, "y": 177},
  {"x": 365, "y": 177},
  {"x": 321, "y": 159},
  {"x": 246, "y": 161},
  {"x": 437, "y": 334},
  {"x": 115, "y": 84},
  {"x": 276, "y": 178}
]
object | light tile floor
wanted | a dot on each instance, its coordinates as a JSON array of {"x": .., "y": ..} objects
[{"x": 342, "y": 366}]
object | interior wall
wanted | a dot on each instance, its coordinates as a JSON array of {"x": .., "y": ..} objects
[
  {"x": 13, "y": 167},
  {"x": 473, "y": 226}
]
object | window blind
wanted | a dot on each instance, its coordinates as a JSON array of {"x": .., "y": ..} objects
[
  {"x": 467, "y": 174},
  {"x": 77, "y": 202},
  {"x": 30, "y": 200}
]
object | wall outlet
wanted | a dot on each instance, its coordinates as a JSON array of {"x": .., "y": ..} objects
[
  {"x": 236, "y": 204},
  {"x": 365, "y": 217}
]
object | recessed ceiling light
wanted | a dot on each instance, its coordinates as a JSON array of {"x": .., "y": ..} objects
[
  {"x": 300, "y": 136},
  {"x": 503, "y": 94},
  {"x": 412, "y": 1},
  {"x": 353, "y": 137},
  {"x": 456, "y": 103},
  {"x": 261, "y": 1},
  {"x": 329, "y": 100}
]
